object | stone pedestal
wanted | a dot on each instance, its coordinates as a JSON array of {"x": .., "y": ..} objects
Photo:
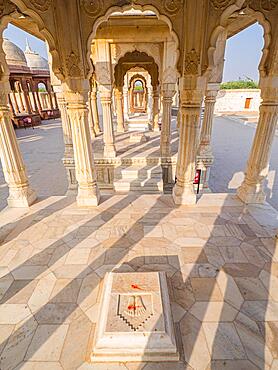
[
  {"x": 135, "y": 322},
  {"x": 20, "y": 193}
]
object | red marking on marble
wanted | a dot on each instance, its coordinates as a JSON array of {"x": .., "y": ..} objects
[
  {"x": 133, "y": 307},
  {"x": 135, "y": 286}
]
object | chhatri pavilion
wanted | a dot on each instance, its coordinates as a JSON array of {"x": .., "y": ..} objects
[{"x": 139, "y": 265}]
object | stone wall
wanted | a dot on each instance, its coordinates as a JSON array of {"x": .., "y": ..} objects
[{"x": 235, "y": 100}]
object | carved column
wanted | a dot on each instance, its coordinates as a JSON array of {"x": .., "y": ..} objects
[
  {"x": 155, "y": 109},
  {"x": 38, "y": 101},
  {"x": 68, "y": 159},
  {"x": 165, "y": 137},
  {"x": 20, "y": 192},
  {"x": 91, "y": 121},
  {"x": 15, "y": 102},
  {"x": 150, "y": 105},
  {"x": 120, "y": 112},
  {"x": 26, "y": 98},
  {"x": 88, "y": 193},
  {"x": 93, "y": 102},
  {"x": 251, "y": 189},
  {"x": 125, "y": 95},
  {"x": 205, "y": 150},
  {"x": 108, "y": 130},
  {"x": 183, "y": 192}
]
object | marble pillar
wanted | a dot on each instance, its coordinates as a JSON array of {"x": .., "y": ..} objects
[
  {"x": 155, "y": 109},
  {"x": 251, "y": 189},
  {"x": 183, "y": 192},
  {"x": 205, "y": 150},
  {"x": 119, "y": 110},
  {"x": 88, "y": 193},
  {"x": 95, "y": 116},
  {"x": 165, "y": 137},
  {"x": 91, "y": 121},
  {"x": 68, "y": 159},
  {"x": 20, "y": 192},
  {"x": 108, "y": 130},
  {"x": 125, "y": 96}
]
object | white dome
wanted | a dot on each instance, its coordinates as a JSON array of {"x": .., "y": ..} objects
[
  {"x": 34, "y": 60},
  {"x": 14, "y": 55}
]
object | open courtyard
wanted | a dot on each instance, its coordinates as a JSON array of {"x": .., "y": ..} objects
[{"x": 220, "y": 259}]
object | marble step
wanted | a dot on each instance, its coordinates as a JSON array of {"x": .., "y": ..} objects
[
  {"x": 138, "y": 172},
  {"x": 147, "y": 185}
]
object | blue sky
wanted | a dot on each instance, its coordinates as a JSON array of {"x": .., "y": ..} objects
[
  {"x": 242, "y": 56},
  {"x": 18, "y": 37}
]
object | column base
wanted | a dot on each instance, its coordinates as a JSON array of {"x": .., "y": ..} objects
[
  {"x": 88, "y": 197},
  {"x": 184, "y": 195},
  {"x": 109, "y": 151},
  {"x": 250, "y": 194},
  {"x": 120, "y": 130},
  {"x": 21, "y": 197}
]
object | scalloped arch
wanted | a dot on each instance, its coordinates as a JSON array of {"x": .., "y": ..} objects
[
  {"x": 46, "y": 35},
  {"x": 258, "y": 16},
  {"x": 121, "y": 9}
]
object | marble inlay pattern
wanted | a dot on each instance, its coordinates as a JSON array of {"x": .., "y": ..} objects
[{"x": 220, "y": 259}]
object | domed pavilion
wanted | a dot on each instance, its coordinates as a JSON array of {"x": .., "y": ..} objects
[{"x": 31, "y": 98}]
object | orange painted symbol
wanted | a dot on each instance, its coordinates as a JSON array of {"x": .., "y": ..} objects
[{"x": 135, "y": 286}]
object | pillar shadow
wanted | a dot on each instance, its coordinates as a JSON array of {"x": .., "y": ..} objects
[{"x": 224, "y": 320}]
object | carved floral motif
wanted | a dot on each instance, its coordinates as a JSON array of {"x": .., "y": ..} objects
[
  {"x": 41, "y": 5},
  {"x": 263, "y": 4},
  {"x": 258, "y": 4},
  {"x": 173, "y": 6},
  {"x": 92, "y": 7},
  {"x": 191, "y": 63},
  {"x": 72, "y": 63}
]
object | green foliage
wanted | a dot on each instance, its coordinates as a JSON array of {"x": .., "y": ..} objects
[
  {"x": 240, "y": 84},
  {"x": 41, "y": 89},
  {"x": 138, "y": 88}
]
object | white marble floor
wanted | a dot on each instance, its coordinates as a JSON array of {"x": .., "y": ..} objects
[{"x": 220, "y": 258}]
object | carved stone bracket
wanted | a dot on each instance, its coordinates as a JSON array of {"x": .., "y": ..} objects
[
  {"x": 72, "y": 63},
  {"x": 191, "y": 63}
]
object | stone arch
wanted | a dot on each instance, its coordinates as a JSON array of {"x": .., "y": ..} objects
[
  {"x": 131, "y": 89},
  {"x": 17, "y": 9},
  {"x": 150, "y": 49},
  {"x": 122, "y": 9},
  {"x": 223, "y": 26},
  {"x": 138, "y": 77},
  {"x": 137, "y": 59}
]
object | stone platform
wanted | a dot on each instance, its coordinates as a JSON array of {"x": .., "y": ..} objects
[
  {"x": 220, "y": 259},
  {"x": 135, "y": 321}
]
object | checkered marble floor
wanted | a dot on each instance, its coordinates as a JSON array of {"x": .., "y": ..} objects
[{"x": 220, "y": 257}]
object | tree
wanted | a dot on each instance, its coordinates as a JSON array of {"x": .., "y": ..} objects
[{"x": 241, "y": 84}]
